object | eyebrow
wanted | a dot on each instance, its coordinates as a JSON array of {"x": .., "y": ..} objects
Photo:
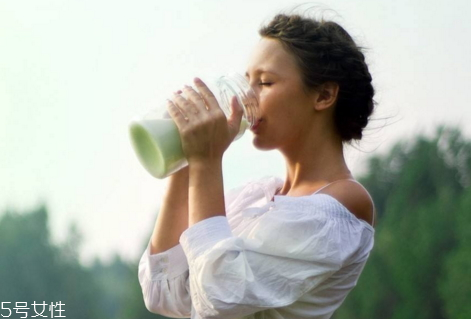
[{"x": 260, "y": 71}]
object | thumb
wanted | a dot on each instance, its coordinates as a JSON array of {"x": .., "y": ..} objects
[{"x": 236, "y": 116}]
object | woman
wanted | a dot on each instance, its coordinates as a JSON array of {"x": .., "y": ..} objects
[{"x": 271, "y": 248}]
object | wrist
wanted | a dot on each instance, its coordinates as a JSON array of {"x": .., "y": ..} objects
[
  {"x": 207, "y": 164},
  {"x": 182, "y": 174},
  {"x": 206, "y": 191}
]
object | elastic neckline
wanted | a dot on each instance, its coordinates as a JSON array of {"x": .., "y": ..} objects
[
  {"x": 339, "y": 180},
  {"x": 280, "y": 198},
  {"x": 317, "y": 191},
  {"x": 373, "y": 221}
]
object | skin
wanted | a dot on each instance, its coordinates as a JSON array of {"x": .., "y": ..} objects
[{"x": 295, "y": 121}]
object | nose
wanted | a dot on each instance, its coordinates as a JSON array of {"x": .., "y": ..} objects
[{"x": 255, "y": 88}]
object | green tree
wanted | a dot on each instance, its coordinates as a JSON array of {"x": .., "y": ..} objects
[
  {"x": 455, "y": 287},
  {"x": 417, "y": 189},
  {"x": 32, "y": 269}
]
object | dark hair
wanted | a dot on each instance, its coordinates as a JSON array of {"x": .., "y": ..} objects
[{"x": 325, "y": 52}]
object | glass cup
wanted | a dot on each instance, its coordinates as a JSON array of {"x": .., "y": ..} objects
[{"x": 155, "y": 137}]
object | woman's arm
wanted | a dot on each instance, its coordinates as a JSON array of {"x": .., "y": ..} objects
[
  {"x": 206, "y": 133},
  {"x": 206, "y": 192},
  {"x": 163, "y": 268},
  {"x": 195, "y": 193},
  {"x": 173, "y": 216}
]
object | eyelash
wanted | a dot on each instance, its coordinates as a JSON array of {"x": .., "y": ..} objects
[{"x": 265, "y": 83}]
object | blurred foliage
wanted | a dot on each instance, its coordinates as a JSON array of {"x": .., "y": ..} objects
[
  {"x": 421, "y": 263},
  {"x": 419, "y": 269},
  {"x": 33, "y": 269}
]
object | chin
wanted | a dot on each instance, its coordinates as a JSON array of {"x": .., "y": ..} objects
[{"x": 261, "y": 145}]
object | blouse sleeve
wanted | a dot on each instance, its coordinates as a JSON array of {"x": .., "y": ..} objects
[
  {"x": 269, "y": 265},
  {"x": 164, "y": 281},
  {"x": 164, "y": 277}
]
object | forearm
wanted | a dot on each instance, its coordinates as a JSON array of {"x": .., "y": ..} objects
[
  {"x": 206, "y": 190},
  {"x": 172, "y": 220}
]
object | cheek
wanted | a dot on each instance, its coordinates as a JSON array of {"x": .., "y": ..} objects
[
  {"x": 271, "y": 101},
  {"x": 264, "y": 99}
]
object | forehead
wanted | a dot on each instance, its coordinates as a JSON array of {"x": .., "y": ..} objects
[{"x": 269, "y": 54}]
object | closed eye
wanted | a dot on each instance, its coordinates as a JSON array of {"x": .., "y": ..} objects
[{"x": 265, "y": 83}]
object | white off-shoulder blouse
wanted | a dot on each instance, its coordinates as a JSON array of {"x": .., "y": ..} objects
[{"x": 294, "y": 257}]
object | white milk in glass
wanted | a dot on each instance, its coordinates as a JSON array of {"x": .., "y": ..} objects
[{"x": 158, "y": 146}]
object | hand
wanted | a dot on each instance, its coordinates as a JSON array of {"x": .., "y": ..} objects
[{"x": 205, "y": 131}]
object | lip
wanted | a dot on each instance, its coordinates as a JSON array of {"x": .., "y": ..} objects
[{"x": 254, "y": 128}]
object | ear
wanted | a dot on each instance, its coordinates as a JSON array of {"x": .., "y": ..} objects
[{"x": 326, "y": 96}]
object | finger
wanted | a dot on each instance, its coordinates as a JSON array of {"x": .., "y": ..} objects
[
  {"x": 206, "y": 94},
  {"x": 176, "y": 114},
  {"x": 185, "y": 105},
  {"x": 195, "y": 98},
  {"x": 166, "y": 114},
  {"x": 235, "y": 118}
]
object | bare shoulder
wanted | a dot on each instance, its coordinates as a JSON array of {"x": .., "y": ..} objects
[{"x": 354, "y": 197}]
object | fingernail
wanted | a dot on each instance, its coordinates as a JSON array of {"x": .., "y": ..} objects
[
  {"x": 187, "y": 87},
  {"x": 197, "y": 80}
]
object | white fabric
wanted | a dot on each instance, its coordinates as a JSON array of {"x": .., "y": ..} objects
[{"x": 296, "y": 257}]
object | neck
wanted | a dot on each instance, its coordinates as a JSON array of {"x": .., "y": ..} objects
[{"x": 313, "y": 161}]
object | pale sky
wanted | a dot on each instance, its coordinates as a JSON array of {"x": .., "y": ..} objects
[{"x": 73, "y": 73}]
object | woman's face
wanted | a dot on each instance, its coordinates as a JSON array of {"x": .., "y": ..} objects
[{"x": 286, "y": 110}]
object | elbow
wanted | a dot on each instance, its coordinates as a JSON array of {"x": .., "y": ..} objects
[
  {"x": 150, "y": 294},
  {"x": 153, "y": 303},
  {"x": 161, "y": 295},
  {"x": 163, "y": 310},
  {"x": 152, "y": 306},
  {"x": 174, "y": 307}
]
